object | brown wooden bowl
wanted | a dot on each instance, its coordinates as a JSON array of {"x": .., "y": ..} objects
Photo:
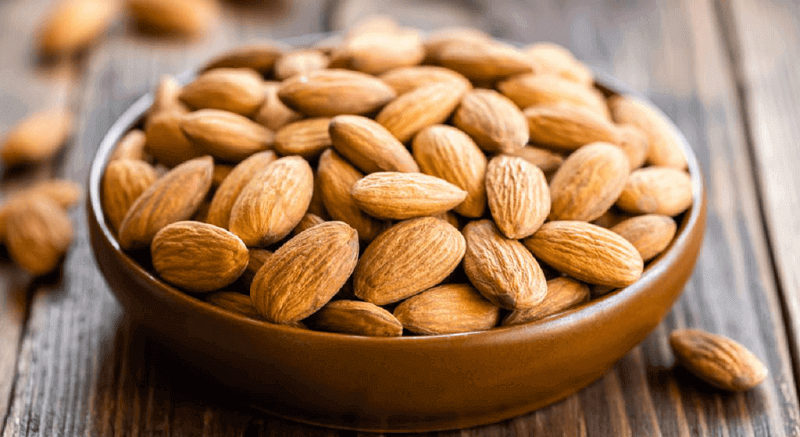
[{"x": 403, "y": 383}]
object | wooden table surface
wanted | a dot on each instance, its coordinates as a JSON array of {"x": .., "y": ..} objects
[{"x": 727, "y": 72}]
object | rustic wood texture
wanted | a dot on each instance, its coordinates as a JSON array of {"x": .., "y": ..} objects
[{"x": 72, "y": 365}]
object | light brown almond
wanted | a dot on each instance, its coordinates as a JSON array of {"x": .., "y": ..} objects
[
  {"x": 260, "y": 56},
  {"x": 492, "y": 121},
  {"x": 273, "y": 202},
  {"x": 234, "y": 302},
  {"x": 420, "y": 108},
  {"x": 257, "y": 258},
  {"x": 38, "y": 234},
  {"x": 166, "y": 142},
  {"x": 563, "y": 293},
  {"x": 568, "y": 127},
  {"x": 317, "y": 205},
  {"x": 444, "y": 36},
  {"x": 300, "y": 62},
  {"x": 372, "y": 24},
  {"x": 718, "y": 360},
  {"x": 405, "y": 79},
  {"x": 198, "y": 257},
  {"x": 407, "y": 259},
  {"x": 483, "y": 61},
  {"x": 221, "y": 171},
  {"x": 38, "y": 137},
  {"x": 369, "y": 146},
  {"x": 448, "y": 153},
  {"x": 503, "y": 270},
  {"x": 305, "y": 273},
  {"x": 356, "y": 318},
  {"x": 610, "y": 218},
  {"x": 273, "y": 113},
  {"x": 173, "y": 17},
  {"x": 447, "y": 309},
  {"x": 166, "y": 97},
  {"x": 201, "y": 215},
  {"x": 308, "y": 221},
  {"x": 172, "y": 198},
  {"x": 451, "y": 218},
  {"x": 378, "y": 52},
  {"x": 225, "y": 135},
  {"x": 534, "y": 89},
  {"x": 123, "y": 181},
  {"x": 550, "y": 58},
  {"x": 547, "y": 160},
  {"x": 587, "y": 252},
  {"x": 657, "y": 190},
  {"x": 131, "y": 146},
  {"x": 650, "y": 234},
  {"x": 518, "y": 195},
  {"x": 219, "y": 212},
  {"x": 63, "y": 192},
  {"x": 307, "y": 138},
  {"x": 634, "y": 143},
  {"x": 664, "y": 148},
  {"x": 325, "y": 93},
  {"x": 238, "y": 90},
  {"x": 400, "y": 196},
  {"x": 74, "y": 25}
]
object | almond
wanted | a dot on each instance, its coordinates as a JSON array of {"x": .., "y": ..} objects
[
  {"x": 73, "y": 25},
  {"x": 307, "y": 138},
  {"x": 444, "y": 36},
  {"x": 167, "y": 97},
  {"x": 664, "y": 147},
  {"x": 405, "y": 79},
  {"x": 166, "y": 142},
  {"x": 568, "y": 127},
  {"x": 198, "y": 257},
  {"x": 534, "y": 89},
  {"x": 400, "y": 196},
  {"x": 38, "y": 137},
  {"x": 378, "y": 52},
  {"x": 225, "y": 135},
  {"x": 305, "y": 273},
  {"x": 234, "y": 302},
  {"x": 131, "y": 146},
  {"x": 562, "y": 294},
  {"x": 307, "y": 222},
  {"x": 420, "y": 108},
  {"x": 587, "y": 252},
  {"x": 502, "y": 270},
  {"x": 483, "y": 61},
  {"x": 450, "y": 154},
  {"x": 657, "y": 190},
  {"x": 369, "y": 146},
  {"x": 518, "y": 195},
  {"x": 221, "y": 171},
  {"x": 64, "y": 193},
  {"x": 718, "y": 360},
  {"x": 550, "y": 58},
  {"x": 273, "y": 113},
  {"x": 611, "y": 218},
  {"x": 257, "y": 258},
  {"x": 650, "y": 234},
  {"x": 173, "y": 17},
  {"x": 325, "y": 93},
  {"x": 589, "y": 182},
  {"x": 260, "y": 56},
  {"x": 492, "y": 121},
  {"x": 273, "y": 202},
  {"x": 300, "y": 62},
  {"x": 335, "y": 178},
  {"x": 123, "y": 181},
  {"x": 547, "y": 161},
  {"x": 38, "y": 234},
  {"x": 356, "y": 318},
  {"x": 172, "y": 198},
  {"x": 237, "y": 90},
  {"x": 634, "y": 143},
  {"x": 407, "y": 259},
  {"x": 219, "y": 212},
  {"x": 447, "y": 309}
]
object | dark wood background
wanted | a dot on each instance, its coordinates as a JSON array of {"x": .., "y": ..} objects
[{"x": 727, "y": 72}]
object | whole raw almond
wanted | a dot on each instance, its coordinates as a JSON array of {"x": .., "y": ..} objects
[
  {"x": 550, "y": 58},
  {"x": 273, "y": 113},
  {"x": 166, "y": 142},
  {"x": 664, "y": 149},
  {"x": 260, "y": 56},
  {"x": 273, "y": 202},
  {"x": 634, "y": 143},
  {"x": 307, "y": 138},
  {"x": 420, "y": 108},
  {"x": 716, "y": 359},
  {"x": 483, "y": 61},
  {"x": 378, "y": 52},
  {"x": 308, "y": 221},
  {"x": 587, "y": 252},
  {"x": 650, "y": 234},
  {"x": 657, "y": 190},
  {"x": 166, "y": 97},
  {"x": 173, "y": 17},
  {"x": 541, "y": 89},
  {"x": 563, "y": 293},
  {"x": 447, "y": 309},
  {"x": 198, "y": 257},
  {"x": 131, "y": 146},
  {"x": 300, "y": 62},
  {"x": 73, "y": 25},
  {"x": 221, "y": 171},
  {"x": 325, "y": 93},
  {"x": 356, "y": 318},
  {"x": 257, "y": 258},
  {"x": 172, "y": 198},
  {"x": 37, "y": 138},
  {"x": 439, "y": 38},
  {"x": 407, "y": 259},
  {"x": 63, "y": 192},
  {"x": 38, "y": 234},
  {"x": 503, "y": 270},
  {"x": 547, "y": 160},
  {"x": 305, "y": 273},
  {"x": 219, "y": 212},
  {"x": 400, "y": 196},
  {"x": 518, "y": 195},
  {"x": 369, "y": 146},
  {"x": 588, "y": 182},
  {"x": 238, "y": 90},
  {"x": 225, "y": 135},
  {"x": 234, "y": 302},
  {"x": 448, "y": 153},
  {"x": 492, "y": 120},
  {"x": 123, "y": 181},
  {"x": 405, "y": 79},
  {"x": 335, "y": 178},
  {"x": 568, "y": 126}
]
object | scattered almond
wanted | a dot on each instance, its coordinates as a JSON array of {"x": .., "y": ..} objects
[
  {"x": 73, "y": 25},
  {"x": 175, "y": 17},
  {"x": 38, "y": 137},
  {"x": 38, "y": 234}
]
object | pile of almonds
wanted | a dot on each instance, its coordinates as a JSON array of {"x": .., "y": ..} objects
[{"x": 383, "y": 183}]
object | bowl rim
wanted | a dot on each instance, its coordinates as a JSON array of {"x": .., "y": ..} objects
[{"x": 132, "y": 115}]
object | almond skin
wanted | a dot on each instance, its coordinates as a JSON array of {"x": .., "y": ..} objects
[
  {"x": 587, "y": 252},
  {"x": 443, "y": 36},
  {"x": 568, "y": 127},
  {"x": 259, "y": 56},
  {"x": 305, "y": 273},
  {"x": 64, "y": 193},
  {"x": 234, "y": 302},
  {"x": 173, "y": 17},
  {"x": 483, "y": 61},
  {"x": 550, "y": 58},
  {"x": 406, "y": 79},
  {"x": 492, "y": 121},
  {"x": 650, "y": 234},
  {"x": 716, "y": 359},
  {"x": 369, "y": 146},
  {"x": 325, "y": 93},
  {"x": 634, "y": 143},
  {"x": 450, "y": 154},
  {"x": 166, "y": 142},
  {"x": 198, "y": 257},
  {"x": 73, "y": 25},
  {"x": 407, "y": 259},
  {"x": 37, "y": 138},
  {"x": 237, "y": 90},
  {"x": 299, "y": 62},
  {"x": 166, "y": 97},
  {"x": 273, "y": 114},
  {"x": 257, "y": 258},
  {"x": 657, "y": 190},
  {"x": 356, "y": 318},
  {"x": 273, "y": 202},
  {"x": 219, "y": 212},
  {"x": 547, "y": 160},
  {"x": 400, "y": 196},
  {"x": 518, "y": 195},
  {"x": 447, "y": 309},
  {"x": 308, "y": 221},
  {"x": 420, "y": 108},
  {"x": 378, "y": 52},
  {"x": 563, "y": 293},
  {"x": 534, "y": 89},
  {"x": 131, "y": 146},
  {"x": 123, "y": 181},
  {"x": 664, "y": 147},
  {"x": 225, "y": 135},
  {"x": 589, "y": 182},
  {"x": 501, "y": 269},
  {"x": 38, "y": 234},
  {"x": 172, "y": 198},
  {"x": 307, "y": 138}
]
